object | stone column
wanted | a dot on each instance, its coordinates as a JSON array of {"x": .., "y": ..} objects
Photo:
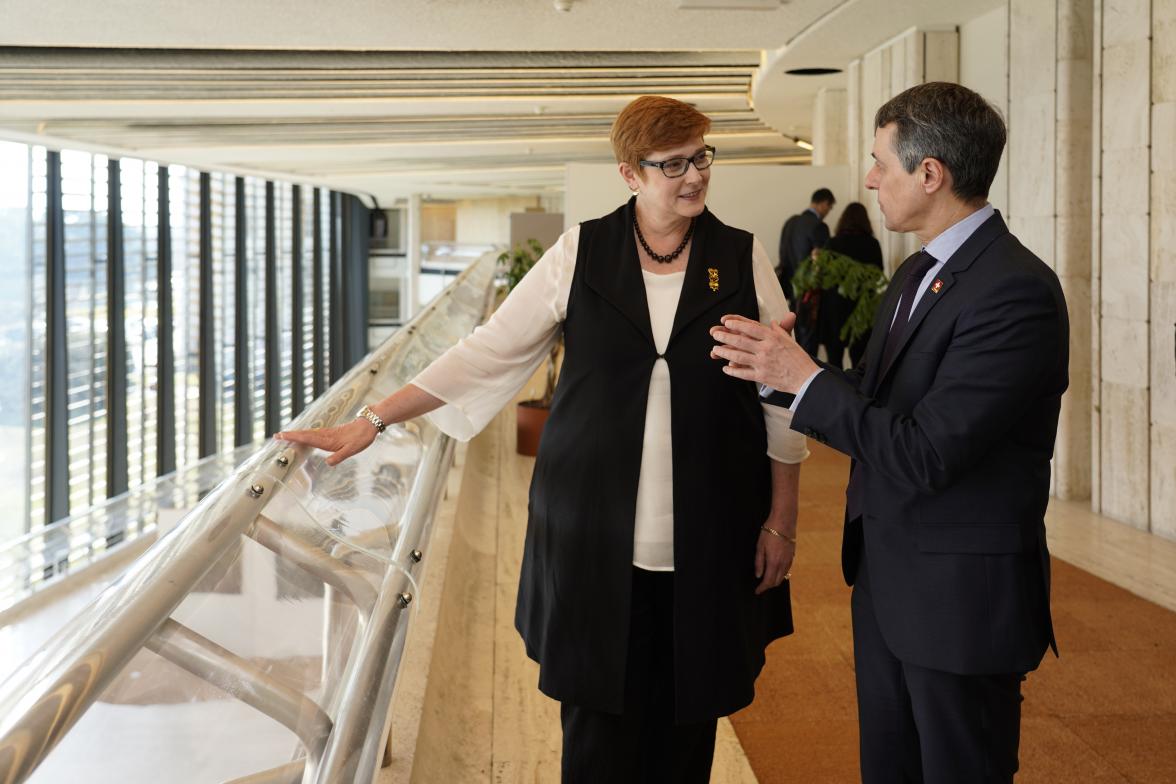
[
  {"x": 413, "y": 256},
  {"x": 1071, "y": 242},
  {"x": 1163, "y": 269},
  {"x": 830, "y": 130},
  {"x": 1124, "y": 288}
]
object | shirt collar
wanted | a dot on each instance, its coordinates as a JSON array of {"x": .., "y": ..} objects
[
  {"x": 814, "y": 212},
  {"x": 946, "y": 244}
]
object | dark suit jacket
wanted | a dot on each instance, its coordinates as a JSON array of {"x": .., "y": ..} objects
[
  {"x": 954, "y": 441},
  {"x": 801, "y": 233}
]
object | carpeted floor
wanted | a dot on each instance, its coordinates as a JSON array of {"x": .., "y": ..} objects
[{"x": 1104, "y": 712}]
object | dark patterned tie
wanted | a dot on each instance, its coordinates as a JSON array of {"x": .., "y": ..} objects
[{"x": 919, "y": 264}]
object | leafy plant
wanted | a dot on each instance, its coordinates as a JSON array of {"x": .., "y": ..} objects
[
  {"x": 861, "y": 284},
  {"x": 518, "y": 261}
]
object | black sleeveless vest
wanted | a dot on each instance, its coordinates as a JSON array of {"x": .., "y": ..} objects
[{"x": 573, "y": 602}]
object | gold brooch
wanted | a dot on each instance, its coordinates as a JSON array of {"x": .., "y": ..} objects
[
  {"x": 714, "y": 278},
  {"x": 936, "y": 286}
]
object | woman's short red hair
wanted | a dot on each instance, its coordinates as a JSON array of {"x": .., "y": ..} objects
[{"x": 654, "y": 122}]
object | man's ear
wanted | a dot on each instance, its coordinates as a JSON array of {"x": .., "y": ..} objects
[{"x": 933, "y": 175}]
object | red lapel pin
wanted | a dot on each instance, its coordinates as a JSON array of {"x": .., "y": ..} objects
[{"x": 936, "y": 286}]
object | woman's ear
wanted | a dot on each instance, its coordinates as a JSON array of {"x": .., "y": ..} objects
[{"x": 630, "y": 177}]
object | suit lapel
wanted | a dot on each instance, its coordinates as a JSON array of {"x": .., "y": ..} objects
[
  {"x": 984, "y": 236},
  {"x": 712, "y": 274},
  {"x": 613, "y": 270},
  {"x": 874, "y": 348}
]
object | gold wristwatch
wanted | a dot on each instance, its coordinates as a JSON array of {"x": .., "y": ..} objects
[{"x": 371, "y": 416}]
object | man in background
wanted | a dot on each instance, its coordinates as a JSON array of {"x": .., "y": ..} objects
[{"x": 802, "y": 234}]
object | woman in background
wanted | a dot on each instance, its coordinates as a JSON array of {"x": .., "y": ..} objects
[{"x": 853, "y": 237}]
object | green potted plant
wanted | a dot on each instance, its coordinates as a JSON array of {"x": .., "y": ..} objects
[
  {"x": 861, "y": 284},
  {"x": 531, "y": 414}
]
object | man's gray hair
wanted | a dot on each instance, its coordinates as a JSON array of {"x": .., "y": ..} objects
[{"x": 953, "y": 125}]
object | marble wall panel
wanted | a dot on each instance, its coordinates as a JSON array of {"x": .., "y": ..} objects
[
  {"x": 902, "y": 52},
  {"x": 941, "y": 56},
  {"x": 1124, "y": 277},
  {"x": 1031, "y": 153},
  {"x": 853, "y": 120},
  {"x": 1096, "y": 262},
  {"x": 1163, "y": 227},
  {"x": 1163, "y": 51},
  {"x": 1073, "y": 173},
  {"x": 1078, "y": 296},
  {"x": 1125, "y": 20},
  {"x": 871, "y": 100},
  {"x": 829, "y": 128},
  {"x": 1125, "y": 352},
  {"x": 1126, "y": 95},
  {"x": 1125, "y": 181},
  {"x": 1032, "y": 42},
  {"x": 1163, "y": 357},
  {"x": 1163, "y": 154},
  {"x": 1125, "y": 469},
  {"x": 1075, "y": 29},
  {"x": 1163, "y": 481},
  {"x": 1037, "y": 234},
  {"x": 1072, "y": 453},
  {"x": 1072, "y": 247}
]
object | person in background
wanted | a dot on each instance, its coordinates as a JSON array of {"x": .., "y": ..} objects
[
  {"x": 803, "y": 233},
  {"x": 662, "y": 516},
  {"x": 853, "y": 237}
]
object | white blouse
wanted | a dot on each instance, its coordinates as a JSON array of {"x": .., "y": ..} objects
[{"x": 484, "y": 372}]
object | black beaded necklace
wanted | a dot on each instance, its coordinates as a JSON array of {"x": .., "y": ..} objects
[{"x": 669, "y": 257}]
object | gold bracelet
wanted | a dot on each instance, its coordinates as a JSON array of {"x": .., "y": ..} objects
[{"x": 774, "y": 532}]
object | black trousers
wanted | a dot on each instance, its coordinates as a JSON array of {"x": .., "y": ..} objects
[
  {"x": 922, "y": 725},
  {"x": 643, "y": 744}
]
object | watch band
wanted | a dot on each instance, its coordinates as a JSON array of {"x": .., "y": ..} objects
[{"x": 371, "y": 416}]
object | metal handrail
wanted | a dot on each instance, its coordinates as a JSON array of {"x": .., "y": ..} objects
[{"x": 45, "y": 697}]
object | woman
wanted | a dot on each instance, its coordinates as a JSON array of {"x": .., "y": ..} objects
[
  {"x": 662, "y": 514},
  {"x": 853, "y": 237}
]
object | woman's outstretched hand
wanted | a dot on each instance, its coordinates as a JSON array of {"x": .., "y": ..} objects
[{"x": 342, "y": 441}]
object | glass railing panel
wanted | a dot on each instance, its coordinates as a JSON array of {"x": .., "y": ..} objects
[
  {"x": 265, "y": 628},
  {"x": 44, "y": 556}
]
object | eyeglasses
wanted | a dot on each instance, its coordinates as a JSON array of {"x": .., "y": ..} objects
[{"x": 676, "y": 167}]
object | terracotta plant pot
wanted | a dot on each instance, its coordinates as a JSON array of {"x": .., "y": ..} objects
[{"x": 532, "y": 414}]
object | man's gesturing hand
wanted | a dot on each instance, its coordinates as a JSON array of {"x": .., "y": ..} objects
[{"x": 764, "y": 353}]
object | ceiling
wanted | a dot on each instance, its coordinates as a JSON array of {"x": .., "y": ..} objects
[{"x": 445, "y": 98}]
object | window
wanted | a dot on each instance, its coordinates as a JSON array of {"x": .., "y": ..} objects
[
  {"x": 16, "y": 245},
  {"x": 26, "y": 227},
  {"x": 140, "y": 217},
  {"x": 83, "y": 201},
  {"x": 224, "y": 259}
]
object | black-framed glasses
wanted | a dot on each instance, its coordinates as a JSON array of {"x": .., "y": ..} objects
[{"x": 676, "y": 167}]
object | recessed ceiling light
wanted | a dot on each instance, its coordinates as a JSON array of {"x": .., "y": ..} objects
[{"x": 812, "y": 71}]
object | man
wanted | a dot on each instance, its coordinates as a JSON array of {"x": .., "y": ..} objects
[
  {"x": 801, "y": 234},
  {"x": 950, "y": 423}
]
